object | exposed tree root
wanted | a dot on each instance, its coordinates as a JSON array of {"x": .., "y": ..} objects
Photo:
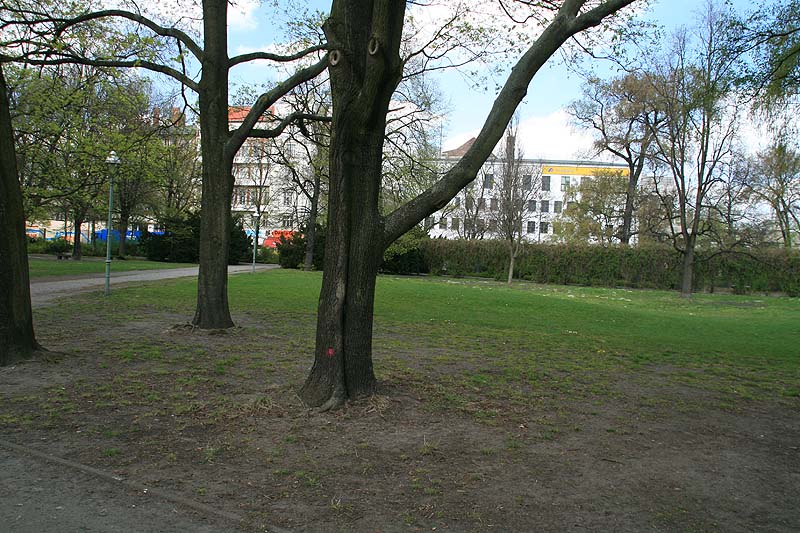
[{"x": 336, "y": 401}]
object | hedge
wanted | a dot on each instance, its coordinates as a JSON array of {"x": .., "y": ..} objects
[{"x": 760, "y": 270}]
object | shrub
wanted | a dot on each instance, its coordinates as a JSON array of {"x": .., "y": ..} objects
[
  {"x": 180, "y": 242},
  {"x": 653, "y": 267},
  {"x": 292, "y": 252},
  {"x": 405, "y": 256}
]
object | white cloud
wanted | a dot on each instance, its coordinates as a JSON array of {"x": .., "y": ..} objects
[
  {"x": 553, "y": 137},
  {"x": 543, "y": 137},
  {"x": 242, "y": 14}
]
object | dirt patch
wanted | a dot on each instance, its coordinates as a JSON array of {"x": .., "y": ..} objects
[{"x": 215, "y": 418}]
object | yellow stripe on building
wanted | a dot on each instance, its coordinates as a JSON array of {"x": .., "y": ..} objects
[{"x": 556, "y": 170}]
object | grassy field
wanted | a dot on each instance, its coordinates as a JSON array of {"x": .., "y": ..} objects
[
  {"x": 524, "y": 408},
  {"x": 49, "y": 266}
]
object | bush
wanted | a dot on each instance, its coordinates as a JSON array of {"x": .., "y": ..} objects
[
  {"x": 404, "y": 256},
  {"x": 292, "y": 252},
  {"x": 652, "y": 267},
  {"x": 180, "y": 242}
]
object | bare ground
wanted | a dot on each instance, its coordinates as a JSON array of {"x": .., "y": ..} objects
[{"x": 214, "y": 419}]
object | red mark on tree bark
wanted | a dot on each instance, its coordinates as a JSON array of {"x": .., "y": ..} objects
[{"x": 331, "y": 352}]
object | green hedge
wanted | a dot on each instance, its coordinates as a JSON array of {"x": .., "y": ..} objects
[{"x": 768, "y": 270}]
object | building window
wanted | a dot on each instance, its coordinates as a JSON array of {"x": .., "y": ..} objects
[
  {"x": 287, "y": 221},
  {"x": 564, "y": 183},
  {"x": 481, "y": 203},
  {"x": 556, "y": 207},
  {"x": 545, "y": 206},
  {"x": 545, "y": 183},
  {"x": 492, "y": 224},
  {"x": 543, "y": 227},
  {"x": 495, "y": 204},
  {"x": 531, "y": 226},
  {"x": 488, "y": 181},
  {"x": 526, "y": 182},
  {"x": 429, "y": 223},
  {"x": 531, "y": 205},
  {"x": 443, "y": 223},
  {"x": 287, "y": 199},
  {"x": 456, "y": 201},
  {"x": 454, "y": 224}
]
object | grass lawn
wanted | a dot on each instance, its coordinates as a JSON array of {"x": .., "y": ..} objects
[
  {"x": 517, "y": 409},
  {"x": 49, "y": 266}
]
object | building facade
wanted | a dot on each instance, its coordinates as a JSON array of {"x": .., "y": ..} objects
[{"x": 541, "y": 191}]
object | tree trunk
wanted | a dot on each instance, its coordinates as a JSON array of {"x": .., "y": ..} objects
[
  {"x": 17, "y": 340},
  {"x": 627, "y": 214},
  {"x": 364, "y": 37},
  {"x": 687, "y": 279},
  {"x": 353, "y": 251},
  {"x": 77, "y": 248},
  {"x": 311, "y": 231},
  {"x": 212, "y": 310},
  {"x": 124, "y": 221},
  {"x": 512, "y": 256}
]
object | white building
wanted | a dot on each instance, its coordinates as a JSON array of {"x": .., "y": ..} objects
[
  {"x": 545, "y": 185},
  {"x": 265, "y": 191}
]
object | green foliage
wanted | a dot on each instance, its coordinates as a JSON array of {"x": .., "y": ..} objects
[
  {"x": 241, "y": 246},
  {"x": 654, "y": 267},
  {"x": 180, "y": 242},
  {"x": 292, "y": 252},
  {"x": 404, "y": 256}
]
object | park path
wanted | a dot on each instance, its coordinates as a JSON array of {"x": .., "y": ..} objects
[{"x": 45, "y": 290}]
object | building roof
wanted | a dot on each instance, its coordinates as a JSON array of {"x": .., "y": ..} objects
[
  {"x": 460, "y": 151},
  {"x": 237, "y": 113}
]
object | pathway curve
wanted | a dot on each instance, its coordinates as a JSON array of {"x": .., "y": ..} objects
[{"x": 45, "y": 290}]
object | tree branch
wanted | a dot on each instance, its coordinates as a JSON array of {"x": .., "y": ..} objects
[
  {"x": 269, "y": 98},
  {"x": 244, "y": 58},
  {"x": 562, "y": 27},
  {"x": 64, "y": 24}
]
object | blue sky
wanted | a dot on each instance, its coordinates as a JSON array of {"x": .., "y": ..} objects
[{"x": 544, "y": 126}]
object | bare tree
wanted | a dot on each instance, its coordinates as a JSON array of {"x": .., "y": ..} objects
[
  {"x": 516, "y": 186},
  {"x": 692, "y": 90}
]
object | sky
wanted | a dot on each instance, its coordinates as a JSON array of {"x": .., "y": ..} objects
[{"x": 545, "y": 130}]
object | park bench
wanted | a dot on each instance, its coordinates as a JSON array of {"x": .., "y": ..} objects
[{"x": 64, "y": 255}]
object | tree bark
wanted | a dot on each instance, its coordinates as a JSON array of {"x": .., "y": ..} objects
[
  {"x": 364, "y": 37},
  {"x": 124, "y": 222},
  {"x": 511, "y": 260},
  {"x": 212, "y": 310},
  {"x": 17, "y": 339},
  {"x": 77, "y": 245},
  {"x": 687, "y": 278},
  {"x": 311, "y": 231}
]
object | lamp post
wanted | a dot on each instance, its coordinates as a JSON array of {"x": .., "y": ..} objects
[{"x": 112, "y": 161}]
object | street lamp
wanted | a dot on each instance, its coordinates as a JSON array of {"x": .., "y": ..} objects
[{"x": 113, "y": 162}]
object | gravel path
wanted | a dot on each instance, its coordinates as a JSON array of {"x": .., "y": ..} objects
[{"x": 45, "y": 290}]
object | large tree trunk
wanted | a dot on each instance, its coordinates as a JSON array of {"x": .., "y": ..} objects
[
  {"x": 17, "y": 340},
  {"x": 687, "y": 278},
  {"x": 215, "y": 206},
  {"x": 365, "y": 69}
]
